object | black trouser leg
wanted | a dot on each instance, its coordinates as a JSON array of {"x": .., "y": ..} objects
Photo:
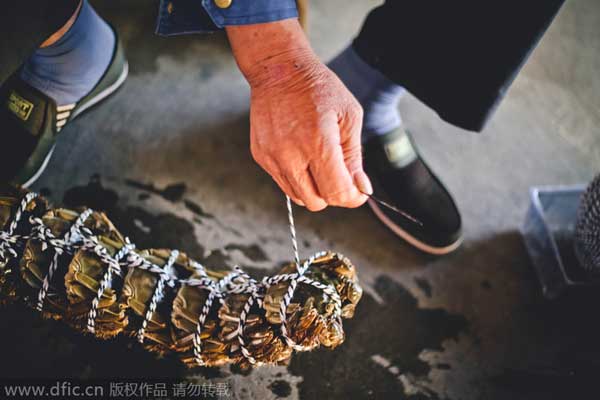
[
  {"x": 458, "y": 57},
  {"x": 25, "y": 25}
]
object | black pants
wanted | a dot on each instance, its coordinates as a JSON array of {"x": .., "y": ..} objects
[{"x": 459, "y": 57}]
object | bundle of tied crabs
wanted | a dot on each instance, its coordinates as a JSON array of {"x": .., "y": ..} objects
[{"x": 75, "y": 266}]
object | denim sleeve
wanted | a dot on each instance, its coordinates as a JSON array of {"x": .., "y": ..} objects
[{"x": 176, "y": 17}]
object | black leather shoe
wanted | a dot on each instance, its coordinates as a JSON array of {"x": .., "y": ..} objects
[{"x": 400, "y": 177}]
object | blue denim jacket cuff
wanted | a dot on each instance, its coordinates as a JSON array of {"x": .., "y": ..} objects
[
  {"x": 245, "y": 12},
  {"x": 176, "y": 17}
]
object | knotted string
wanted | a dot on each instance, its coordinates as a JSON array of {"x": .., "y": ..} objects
[{"x": 79, "y": 237}]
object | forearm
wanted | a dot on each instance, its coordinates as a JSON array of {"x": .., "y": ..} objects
[{"x": 269, "y": 52}]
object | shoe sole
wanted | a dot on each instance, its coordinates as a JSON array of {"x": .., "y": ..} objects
[
  {"x": 93, "y": 101},
  {"x": 424, "y": 247}
]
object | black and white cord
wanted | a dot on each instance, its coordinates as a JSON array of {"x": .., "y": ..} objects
[{"x": 79, "y": 237}]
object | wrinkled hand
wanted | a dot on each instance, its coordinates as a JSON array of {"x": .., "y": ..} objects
[
  {"x": 306, "y": 129},
  {"x": 306, "y": 133}
]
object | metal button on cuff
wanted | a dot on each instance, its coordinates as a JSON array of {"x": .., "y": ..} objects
[{"x": 223, "y": 3}]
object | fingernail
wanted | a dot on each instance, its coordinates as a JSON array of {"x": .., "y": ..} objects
[
  {"x": 363, "y": 183},
  {"x": 297, "y": 201}
]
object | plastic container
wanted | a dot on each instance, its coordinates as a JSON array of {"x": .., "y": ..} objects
[{"x": 548, "y": 233}]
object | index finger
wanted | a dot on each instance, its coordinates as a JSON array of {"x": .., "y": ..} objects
[{"x": 331, "y": 175}]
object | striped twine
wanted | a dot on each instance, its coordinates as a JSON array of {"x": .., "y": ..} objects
[
  {"x": 113, "y": 268},
  {"x": 293, "y": 231},
  {"x": 157, "y": 295},
  {"x": 69, "y": 237},
  {"x": 79, "y": 237},
  {"x": 8, "y": 238}
]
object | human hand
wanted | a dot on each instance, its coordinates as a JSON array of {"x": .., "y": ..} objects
[{"x": 305, "y": 124}]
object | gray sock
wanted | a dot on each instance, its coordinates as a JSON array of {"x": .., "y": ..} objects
[
  {"x": 376, "y": 93},
  {"x": 69, "y": 69}
]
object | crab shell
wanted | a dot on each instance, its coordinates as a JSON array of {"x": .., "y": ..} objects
[{"x": 312, "y": 318}]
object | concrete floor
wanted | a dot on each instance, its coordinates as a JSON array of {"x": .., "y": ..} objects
[{"x": 472, "y": 325}]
